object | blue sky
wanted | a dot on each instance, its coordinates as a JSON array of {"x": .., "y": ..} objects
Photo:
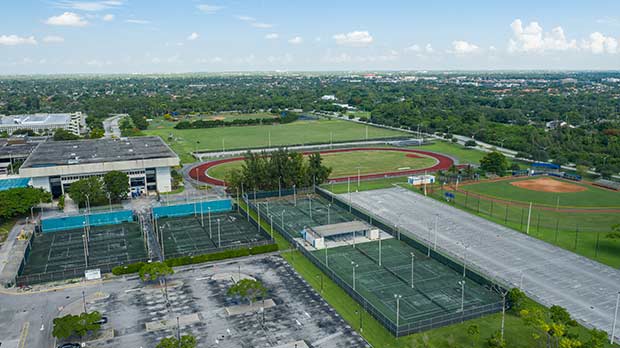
[{"x": 140, "y": 36}]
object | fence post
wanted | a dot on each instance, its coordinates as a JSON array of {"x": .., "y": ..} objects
[
  {"x": 557, "y": 227},
  {"x": 491, "y": 208},
  {"x": 506, "y": 217},
  {"x": 522, "y": 213},
  {"x": 478, "y": 204},
  {"x": 598, "y": 234},
  {"x": 538, "y": 223},
  {"x": 576, "y": 235}
]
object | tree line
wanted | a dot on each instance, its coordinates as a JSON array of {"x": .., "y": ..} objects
[
  {"x": 279, "y": 169},
  {"x": 288, "y": 118}
]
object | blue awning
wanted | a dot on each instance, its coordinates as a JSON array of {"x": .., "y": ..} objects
[{"x": 8, "y": 184}]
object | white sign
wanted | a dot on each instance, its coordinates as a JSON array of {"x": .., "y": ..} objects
[{"x": 93, "y": 274}]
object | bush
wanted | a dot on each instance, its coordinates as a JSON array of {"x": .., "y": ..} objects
[
  {"x": 128, "y": 269},
  {"x": 190, "y": 260},
  {"x": 470, "y": 143}
]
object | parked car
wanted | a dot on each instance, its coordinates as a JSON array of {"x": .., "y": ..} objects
[
  {"x": 69, "y": 345},
  {"x": 103, "y": 320}
]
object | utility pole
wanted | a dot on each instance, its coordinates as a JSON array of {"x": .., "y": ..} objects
[{"x": 529, "y": 217}]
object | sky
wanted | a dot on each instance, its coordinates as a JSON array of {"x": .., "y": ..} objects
[{"x": 165, "y": 36}]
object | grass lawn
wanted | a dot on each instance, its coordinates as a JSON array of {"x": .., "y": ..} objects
[
  {"x": 592, "y": 197},
  {"x": 5, "y": 228},
  {"x": 185, "y": 141},
  {"x": 463, "y": 154},
  {"x": 346, "y": 163}
]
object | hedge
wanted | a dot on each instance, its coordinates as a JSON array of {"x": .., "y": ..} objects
[{"x": 190, "y": 260}]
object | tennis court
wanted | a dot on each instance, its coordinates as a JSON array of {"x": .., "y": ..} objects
[
  {"x": 303, "y": 211},
  {"x": 435, "y": 290},
  {"x": 430, "y": 296},
  {"x": 108, "y": 246},
  {"x": 207, "y": 233}
]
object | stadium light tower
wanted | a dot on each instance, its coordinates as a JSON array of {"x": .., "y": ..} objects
[
  {"x": 354, "y": 266},
  {"x": 462, "y": 284},
  {"x": 613, "y": 328}
]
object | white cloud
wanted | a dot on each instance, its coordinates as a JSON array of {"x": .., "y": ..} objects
[
  {"x": 354, "y": 38},
  {"x": 413, "y": 48},
  {"x": 272, "y": 36},
  {"x": 14, "y": 40},
  {"x": 67, "y": 19},
  {"x": 53, "y": 39},
  {"x": 210, "y": 9},
  {"x": 137, "y": 21},
  {"x": 461, "y": 47},
  {"x": 285, "y": 59},
  {"x": 532, "y": 38},
  {"x": 429, "y": 48},
  {"x": 296, "y": 40},
  {"x": 91, "y": 6},
  {"x": 261, "y": 25},
  {"x": 108, "y": 17},
  {"x": 193, "y": 36},
  {"x": 598, "y": 43},
  {"x": 246, "y": 18}
]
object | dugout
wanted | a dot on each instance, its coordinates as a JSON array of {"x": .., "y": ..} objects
[
  {"x": 344, "y": 230},
  {"x": 538, "y": 168}
]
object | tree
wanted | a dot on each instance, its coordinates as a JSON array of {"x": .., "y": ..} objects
[
  {"x": 87, "y": 190},
  {"x": 582, "y": 170},
  {"x": 615, "y": 232},
  {"x": 517, "y": 299},
  {"x": 249, "y": 289},
  {"x": 473, "y": 331},
  {"x": 154, "y": 271},
  {"x": 470, "y": 143},
  {"x": 317, "y": 172},
  {"x": 76, "y": 325},
  {"x": 96, "y": 133},
  {"x": 496, "y": 341},
  {"x": 63, "y": 134},
  {"x": 597, "y": 339},
  {"x": 18, "y": 201},
  {"x": 116, "y": 185},
  {"x": 494, "y": 162},
  {"x": 187, "y": 341}
]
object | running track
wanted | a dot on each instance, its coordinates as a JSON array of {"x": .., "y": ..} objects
[{"x": 443, "y": 163}]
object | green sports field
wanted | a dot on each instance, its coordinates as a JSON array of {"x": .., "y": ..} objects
[
  {"x": 347, "y": 163},
  {"x": 591, "y": 197},
  {"x": 185, "y": 141}
]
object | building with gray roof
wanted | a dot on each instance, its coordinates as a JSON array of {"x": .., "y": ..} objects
[{"x": 43, "y": 123}]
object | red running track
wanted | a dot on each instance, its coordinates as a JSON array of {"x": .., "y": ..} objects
[{"x": 443, "y": 163}]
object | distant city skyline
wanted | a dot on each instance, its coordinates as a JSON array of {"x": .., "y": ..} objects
[{"x": 139, "y": 36}]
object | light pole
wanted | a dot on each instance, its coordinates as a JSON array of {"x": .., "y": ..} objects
[
  {"x": 380, "y": 249},
  {"x": 412, "y": 267},
  {"x": 359, "y": 312},
  {"x": 321, "y": 276},
  {"x": 436, "y": 231},
  {"x": 326, "y": 259},
  {"x": 397, "y": 297},
  {"x": 354, "y": 266},
  {"x": 462, "y": 284},
  {"x": 210, "y": 229},
  {"x": 219, "y": 237},
  {"x": 282, "y": 216},
  {"x": 202, "y": 216},
  {"x": 271, "y": 221},
  {"x": 294, "y": 196},
  {"x": 310, "y": 206},
  {"x": 328, "y": 213},
  {"x": 613, "y": 328}
]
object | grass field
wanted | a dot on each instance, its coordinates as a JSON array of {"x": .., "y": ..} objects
[
  {"x": 185, "y": 141},
  {"x": 592, "y": 197},
  {"x": 346, "y": 163},
  {"x": 463, "y": 154}
]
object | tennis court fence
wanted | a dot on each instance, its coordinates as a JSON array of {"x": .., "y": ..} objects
[{"x": 384, "y": 318}]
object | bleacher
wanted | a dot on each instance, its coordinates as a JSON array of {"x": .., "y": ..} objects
[{"x": 614, "y": 185}]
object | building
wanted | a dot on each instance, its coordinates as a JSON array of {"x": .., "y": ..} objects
[
  {"x": 54, "y": 165},
  {"x": 317, "y": 236},
  {"x": 417, "y": 180},
  {"x": 44, "y": 123}
]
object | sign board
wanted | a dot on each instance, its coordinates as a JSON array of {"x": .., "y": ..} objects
[{"x": 92, "y": 274}]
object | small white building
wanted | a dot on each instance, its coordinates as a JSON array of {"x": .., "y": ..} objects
[
  {"x": 329, "y": 97},
  {"x": 44, "y": 123},
  {"x": 345, "y": 230},
  {"x": 417, "y": 180}
]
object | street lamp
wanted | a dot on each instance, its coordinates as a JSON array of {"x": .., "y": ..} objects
[
  {"x": 219, "y": 237},
  {"x": 613, "y": 328},
  {"x": 354, "y": 266},
  {"x": 359, "y": 312}
]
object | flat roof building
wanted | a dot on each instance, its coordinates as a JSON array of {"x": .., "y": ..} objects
[
  {"x": 54, "y": 165},
  {"x": 43, "y": 123}
]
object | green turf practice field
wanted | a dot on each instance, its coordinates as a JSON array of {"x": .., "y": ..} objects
[
  {"x": 506, "y": 190},
  {"x": 347, "y": 163},
  {"x": 185, "y": 141}
]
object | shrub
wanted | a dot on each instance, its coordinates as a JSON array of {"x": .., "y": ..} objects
[{"x": 128, "y": 269}]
